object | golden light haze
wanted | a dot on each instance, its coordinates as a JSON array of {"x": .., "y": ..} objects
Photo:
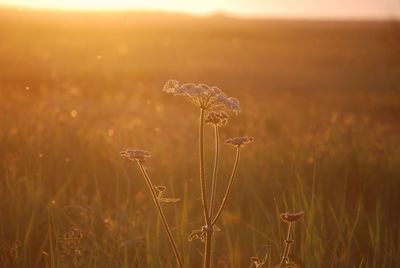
[{"x": 251, "y": 8}]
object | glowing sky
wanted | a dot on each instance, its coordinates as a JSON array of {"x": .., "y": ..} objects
[{"x": 260, "y": 8}]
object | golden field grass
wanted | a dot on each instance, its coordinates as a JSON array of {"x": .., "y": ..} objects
[{"x": 321, "y": 99}]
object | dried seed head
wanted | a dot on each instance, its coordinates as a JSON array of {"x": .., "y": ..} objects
[
  {"x": 201, "y": 233},
  {"x": 136, "y": 155},
  {"x": 259, "y": 262},
  {"x": 217, "y": 118},
  {"x": 239, "y": 141},
  {"x": 292, "y": 216},
  {"x": 203, "y": 96},
  {"x": 72, "y": 245},
  {"x": 161, "y": 189}
]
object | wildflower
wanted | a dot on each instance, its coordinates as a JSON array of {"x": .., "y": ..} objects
[
  {"x": 292, "y": 216},
  {"x": 136, "y": 155},
  {"x": 203, "y": 96},
  {"x": 239, "y": 141},
  {"x": 156, "y": 194},
  {"x": 217, "y": 118}
]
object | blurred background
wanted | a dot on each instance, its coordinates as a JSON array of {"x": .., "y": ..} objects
[{"x": 318, "y": 83}]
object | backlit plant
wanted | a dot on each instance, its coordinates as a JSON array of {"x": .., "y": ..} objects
[{"x": 214, "y": 107}]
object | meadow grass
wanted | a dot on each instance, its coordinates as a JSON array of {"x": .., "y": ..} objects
[{"x": 75, "y": 91}]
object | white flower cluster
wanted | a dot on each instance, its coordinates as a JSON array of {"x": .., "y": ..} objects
[{"x": 203, "y": 96}]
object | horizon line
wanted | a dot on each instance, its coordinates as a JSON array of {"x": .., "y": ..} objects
[{"x": 213, "y": 13}]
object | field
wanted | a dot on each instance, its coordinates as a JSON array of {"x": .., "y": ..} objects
[{"x": 321, "y": 99}]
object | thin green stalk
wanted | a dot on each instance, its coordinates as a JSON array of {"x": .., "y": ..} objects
[
  {"x": 228, "y": 189},
  {"x": 162, "y": 216},
  {"x": 215, "y": 171},
  {"x": 207, "y": 246},
  {"x": 288, "y": 242}
]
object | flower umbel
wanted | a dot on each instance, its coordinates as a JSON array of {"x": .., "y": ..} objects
[
  {"x": 219, "y": 119},
  {"x": 239, "y": 141},
  {"x": 136, "y": 155},
  {"x": 203, "y": 96},
  {"x": 292, "y": 216}
]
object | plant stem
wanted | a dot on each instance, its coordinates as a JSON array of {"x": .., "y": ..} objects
[
  {"x": 162, "y": 216},
  {"x": 214, "y": 178},
  {"x": 202, "y": 179},
  {"x": 288, "y": 242},
  {"x": 213, "y": 191},
  {"x": 207, "y": 246},
  {"x": 228, "y": 189}
]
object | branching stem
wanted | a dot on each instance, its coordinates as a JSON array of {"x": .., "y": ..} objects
[
  {"x": 228, "y": 189},
  {"x": 162, "y": 216}
]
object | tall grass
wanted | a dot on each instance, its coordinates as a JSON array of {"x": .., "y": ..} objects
[{"x": 327, "y": 141}]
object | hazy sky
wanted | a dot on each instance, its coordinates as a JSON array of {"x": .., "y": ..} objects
[{"x": 260, "y": 8}]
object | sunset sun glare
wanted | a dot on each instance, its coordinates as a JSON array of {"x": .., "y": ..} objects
[
  {"x": 106, "y": 5},
  {"x": 249, "y": 8}
]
